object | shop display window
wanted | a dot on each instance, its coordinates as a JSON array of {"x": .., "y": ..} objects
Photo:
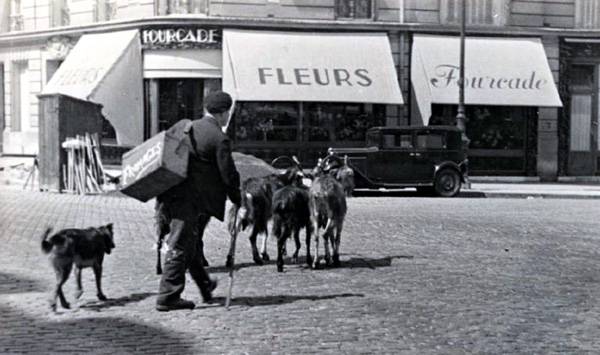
[
  {"x": 488, "y": 127},
  {"x": 267, "y": 121},
  {"x": 340, "y": 122},
  {"x": 319, "y": 122}
]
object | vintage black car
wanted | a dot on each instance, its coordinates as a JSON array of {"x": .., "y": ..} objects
[{"x": 430, "y": 158}]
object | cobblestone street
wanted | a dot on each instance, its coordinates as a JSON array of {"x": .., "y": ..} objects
[{"x": 418, "y": 275}]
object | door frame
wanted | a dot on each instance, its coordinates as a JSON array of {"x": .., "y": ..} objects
[{"x": 585, "y": 162}]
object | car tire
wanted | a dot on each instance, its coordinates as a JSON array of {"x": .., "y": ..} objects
[{"x": 447, "y": 183}]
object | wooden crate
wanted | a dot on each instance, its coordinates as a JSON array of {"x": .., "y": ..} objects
[
  {"x": 154, "y": 166},
  {"x": 61, "y": 117}
]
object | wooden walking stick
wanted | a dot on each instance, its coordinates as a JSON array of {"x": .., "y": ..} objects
[{"x": 234, "y": 232}]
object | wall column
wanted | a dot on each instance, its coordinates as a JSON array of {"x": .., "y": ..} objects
[{"x": 547, "y": 132}]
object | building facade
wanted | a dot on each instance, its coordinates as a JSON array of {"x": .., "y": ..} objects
[{"x": 323, "y": 73}]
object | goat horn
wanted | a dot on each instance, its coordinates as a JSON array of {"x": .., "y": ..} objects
[
  {"x": 283, "y": 157},
  {"x": 295, "y": 159}
]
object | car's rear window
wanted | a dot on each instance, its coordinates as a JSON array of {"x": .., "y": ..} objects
[
  {"x": 372, "y": 139},
  {"x": 398, "y": 140},
  {"x": 431, "y": 141}
]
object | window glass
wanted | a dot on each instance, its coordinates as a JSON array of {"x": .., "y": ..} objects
[
  {"x": 389, "y": 141},
  {"x": 404, "y": 141},
  {"x": 60, "y": 13},
  {"x": 187, "y": 6},
  {"x": 431, "y": 141},
  {"x": 478, "y": 12},
  {"x": 488, "y": 127},
  {"x": 267, "y": 121},
  {"x": 586, "y": 13},
  {"x": 373, "y": 139},
  {"x": 16, "y": 16},
  {"x": 340, "y": 121},
  {"x": 104, "y": 10},
  {"x": 354, "y": 8}
]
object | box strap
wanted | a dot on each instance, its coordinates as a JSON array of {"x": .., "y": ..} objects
[{"x": 190, "y": 132}]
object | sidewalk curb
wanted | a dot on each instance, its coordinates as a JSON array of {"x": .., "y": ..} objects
[{"x": 524, "y": 195}]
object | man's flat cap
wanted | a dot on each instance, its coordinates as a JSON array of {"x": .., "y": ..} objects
[{"x": 217, "y": 102}]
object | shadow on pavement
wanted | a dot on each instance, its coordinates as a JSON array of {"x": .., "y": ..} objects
[
  {"x": 224, "y": 268},
  {"x": 117, "y": 302},
  {"x": 410, "y": 193},
  {"x": 22, "y": 334},
  {"x": 351, "y": 263},
  {"x": 281, "y": 299},
  {"x": 371, "y": 263},
  {"x": 10, "y": 283}
]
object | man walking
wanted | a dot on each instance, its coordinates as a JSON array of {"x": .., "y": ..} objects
[{"x": 211, "y": 178}]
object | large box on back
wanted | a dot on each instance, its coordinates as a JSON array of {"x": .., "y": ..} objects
[{"x": 154, "y": 166}]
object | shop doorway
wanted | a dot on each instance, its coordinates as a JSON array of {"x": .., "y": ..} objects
[
  {"x": 583, "y": 126},
  {"x": 171, "y": 100}
]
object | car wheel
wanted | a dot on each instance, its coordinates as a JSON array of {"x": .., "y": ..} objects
[{"x": 447, "y": 183}]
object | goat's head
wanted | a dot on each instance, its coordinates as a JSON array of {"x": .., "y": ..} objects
[
  {"x": 327, "y": 165},
  {"x": 293, "y": 174}
]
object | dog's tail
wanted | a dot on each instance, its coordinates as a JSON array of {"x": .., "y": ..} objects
[{"x": 46, "y": 244}]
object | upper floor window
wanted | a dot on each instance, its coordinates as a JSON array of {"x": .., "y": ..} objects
[
  {"x": 16, "y": 16},
  {"x": 104, "y": 10},
  {"x": 169, "y": 7},
  {"x": 587, "y": 13},
  {"x": 59, "y": 13},
  {"x": 478, "y": 12},
  {"x": 356, "y": 9}
]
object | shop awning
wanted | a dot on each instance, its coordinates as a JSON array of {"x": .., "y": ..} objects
[
  {"x": 498, "y": 71},
  {"x": 183, "y": 63},
  {"x": 106, "y": 69},
  {"x": 294, "y": 66}
]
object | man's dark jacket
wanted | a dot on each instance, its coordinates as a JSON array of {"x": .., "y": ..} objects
[{"x": 212, "y": 176}]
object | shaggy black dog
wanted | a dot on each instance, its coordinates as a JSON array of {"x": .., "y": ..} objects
[{"x": 81, "y": 247}]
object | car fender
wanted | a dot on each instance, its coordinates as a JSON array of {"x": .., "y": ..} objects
[{"x": 451, "y": 165}]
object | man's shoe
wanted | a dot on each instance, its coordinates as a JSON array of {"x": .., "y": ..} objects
[
  {"x": 207, "y": 292},
  {"x": 179, "y": 304}
]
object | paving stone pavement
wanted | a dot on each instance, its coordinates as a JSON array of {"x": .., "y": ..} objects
[{"x": 418, "y": 276}]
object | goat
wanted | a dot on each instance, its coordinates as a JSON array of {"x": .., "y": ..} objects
[
  {"x": 256, "y": 206},
  {"x": 345, "y": 175},
  {"x": 328, "y": 210},
  {"x": 337, "y": 168},
  {"x": 291, "y": 213}
]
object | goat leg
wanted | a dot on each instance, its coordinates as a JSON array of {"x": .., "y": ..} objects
[
  {"x": 255, "y": 255},
  {"x": 79, "y": 289},
  {"x": 280, "y": 246},
  {"x": 327, "y": 237},
  {"x": 263, "y": 249},
  {"x": 316, "y": 260},
  {"x": 336, "y": 247},
  {"x": 308, "y": 233},
  {"x": 297, "y": 241}
]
